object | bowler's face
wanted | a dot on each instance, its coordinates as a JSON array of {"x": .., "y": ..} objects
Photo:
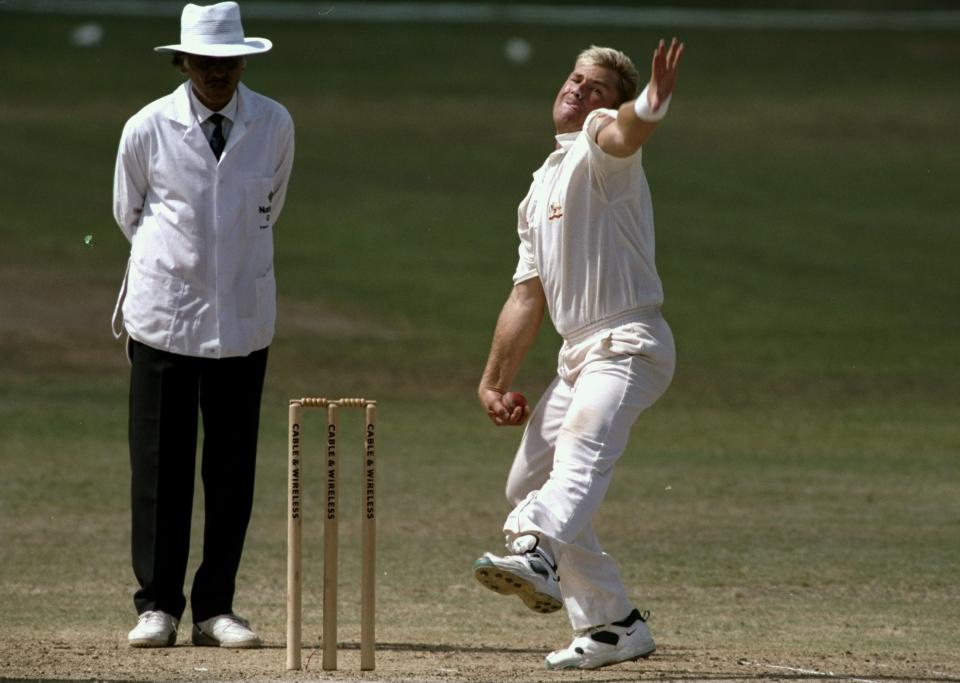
[
  {"x": 214, "y": 79},
  {"x": 586, "y": 88}
]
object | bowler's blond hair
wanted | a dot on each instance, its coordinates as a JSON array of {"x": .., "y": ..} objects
[{"x": 628, "y": 81}]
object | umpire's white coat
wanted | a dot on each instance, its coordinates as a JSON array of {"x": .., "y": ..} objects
[{"x": 200, "y": 279}]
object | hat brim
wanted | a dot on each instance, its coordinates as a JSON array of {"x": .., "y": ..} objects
[{"x": 249, "y": 46}]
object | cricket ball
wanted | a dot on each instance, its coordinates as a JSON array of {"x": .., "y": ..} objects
[{"x": 514, "y": 399}]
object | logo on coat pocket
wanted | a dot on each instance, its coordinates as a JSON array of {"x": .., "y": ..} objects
[{"x": 265, "y": 214}]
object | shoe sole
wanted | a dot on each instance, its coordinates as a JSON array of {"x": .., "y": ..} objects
[
  {"x": 635, "y": 658},
  {"x": 243, "y": 645},
  {"x": 201, "y": 639},
  {"x": 505, "y": 583},
  {"x": 149, "y": 642}
]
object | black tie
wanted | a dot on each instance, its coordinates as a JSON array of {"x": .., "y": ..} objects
[{"x": 217, "y": 142}]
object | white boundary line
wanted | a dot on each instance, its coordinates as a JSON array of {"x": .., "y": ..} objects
[{"x": 519, "y": 13}]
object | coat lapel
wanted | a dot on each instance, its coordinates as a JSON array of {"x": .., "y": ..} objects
[{"x": 248, "y": 110}]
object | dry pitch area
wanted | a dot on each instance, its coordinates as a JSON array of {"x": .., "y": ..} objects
[{"x": 76, "y": 656}]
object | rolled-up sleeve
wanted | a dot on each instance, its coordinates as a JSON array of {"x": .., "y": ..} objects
[
  {"x": 527, "y": 255},
  {"x": 527, "y": 260}
]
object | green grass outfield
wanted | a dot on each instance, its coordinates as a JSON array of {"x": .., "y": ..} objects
[{"x": 798, "y": 487}]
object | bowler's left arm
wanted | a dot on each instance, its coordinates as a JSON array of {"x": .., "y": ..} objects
[{"x": 637, "y": 119}]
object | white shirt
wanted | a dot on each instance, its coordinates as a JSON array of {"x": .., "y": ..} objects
[
  {"x": 200, "y": 278},
  {"x": 586, "y": 230},
  {"x": 203, "y": 114}
]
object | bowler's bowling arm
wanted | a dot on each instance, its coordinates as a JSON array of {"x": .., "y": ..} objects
[{"x": 517, "y": 328}]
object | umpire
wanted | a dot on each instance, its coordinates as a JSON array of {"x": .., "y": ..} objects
[{"x": 200, "y": 182}]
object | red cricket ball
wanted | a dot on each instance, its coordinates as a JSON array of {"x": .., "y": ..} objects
[{"x": 514, "y": 399}]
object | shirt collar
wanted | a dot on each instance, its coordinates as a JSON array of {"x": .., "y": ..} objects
[
  {"x": 564, "y": 140},
  {"x": 203, "y": 112}
]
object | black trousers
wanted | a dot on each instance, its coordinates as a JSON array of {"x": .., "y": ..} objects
[{"x": 167, "y": 391}]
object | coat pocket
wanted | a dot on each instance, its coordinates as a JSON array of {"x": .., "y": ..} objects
[{"x": 150, "y": 308}]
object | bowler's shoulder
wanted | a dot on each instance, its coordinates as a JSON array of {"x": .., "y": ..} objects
[
  {"x": 589, "y": 141},
  {"x": 597, "y": 120}
]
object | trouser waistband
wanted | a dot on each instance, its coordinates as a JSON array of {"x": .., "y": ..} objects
[{"x": 634, "y": 315}]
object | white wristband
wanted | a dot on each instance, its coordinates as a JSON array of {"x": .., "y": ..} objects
[{"x": 641, "y": 106}]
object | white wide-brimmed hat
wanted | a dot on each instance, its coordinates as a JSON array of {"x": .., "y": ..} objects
[{"x": 215, "y": 31}]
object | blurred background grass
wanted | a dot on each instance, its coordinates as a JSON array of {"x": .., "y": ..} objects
[{"x": 796, "y": 488}]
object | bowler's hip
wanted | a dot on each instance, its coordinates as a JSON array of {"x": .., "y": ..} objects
[{"x": 642, "y": 333}]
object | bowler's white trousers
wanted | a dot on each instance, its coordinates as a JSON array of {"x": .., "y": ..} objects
[{"x": 606, "y": 377}]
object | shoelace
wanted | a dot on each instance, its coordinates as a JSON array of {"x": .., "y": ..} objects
[
  {"x": 234, "y": 621},
  {"x": 154, "y": 618}
]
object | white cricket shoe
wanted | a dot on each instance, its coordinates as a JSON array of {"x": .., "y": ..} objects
[
  {"x": 530, "y": 576},
  {"x": 225, "y": 630},
  {"x": 621, "y": 641},
  {"x": 154, "y": 629}
]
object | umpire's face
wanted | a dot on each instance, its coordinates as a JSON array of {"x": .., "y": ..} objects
[{"x": 214, "y": 79}]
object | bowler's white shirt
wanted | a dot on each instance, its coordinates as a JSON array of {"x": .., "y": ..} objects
[
  {"x": 200, "y": 279},
  {"x": 586, "y": 230}
]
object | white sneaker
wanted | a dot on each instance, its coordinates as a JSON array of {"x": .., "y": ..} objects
[
  {"x": 154, "y": 629},
  {"x": 225, "y": 630},
  {"x": 530, "y": 576},
  {"x": 621, "y": 641}
]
